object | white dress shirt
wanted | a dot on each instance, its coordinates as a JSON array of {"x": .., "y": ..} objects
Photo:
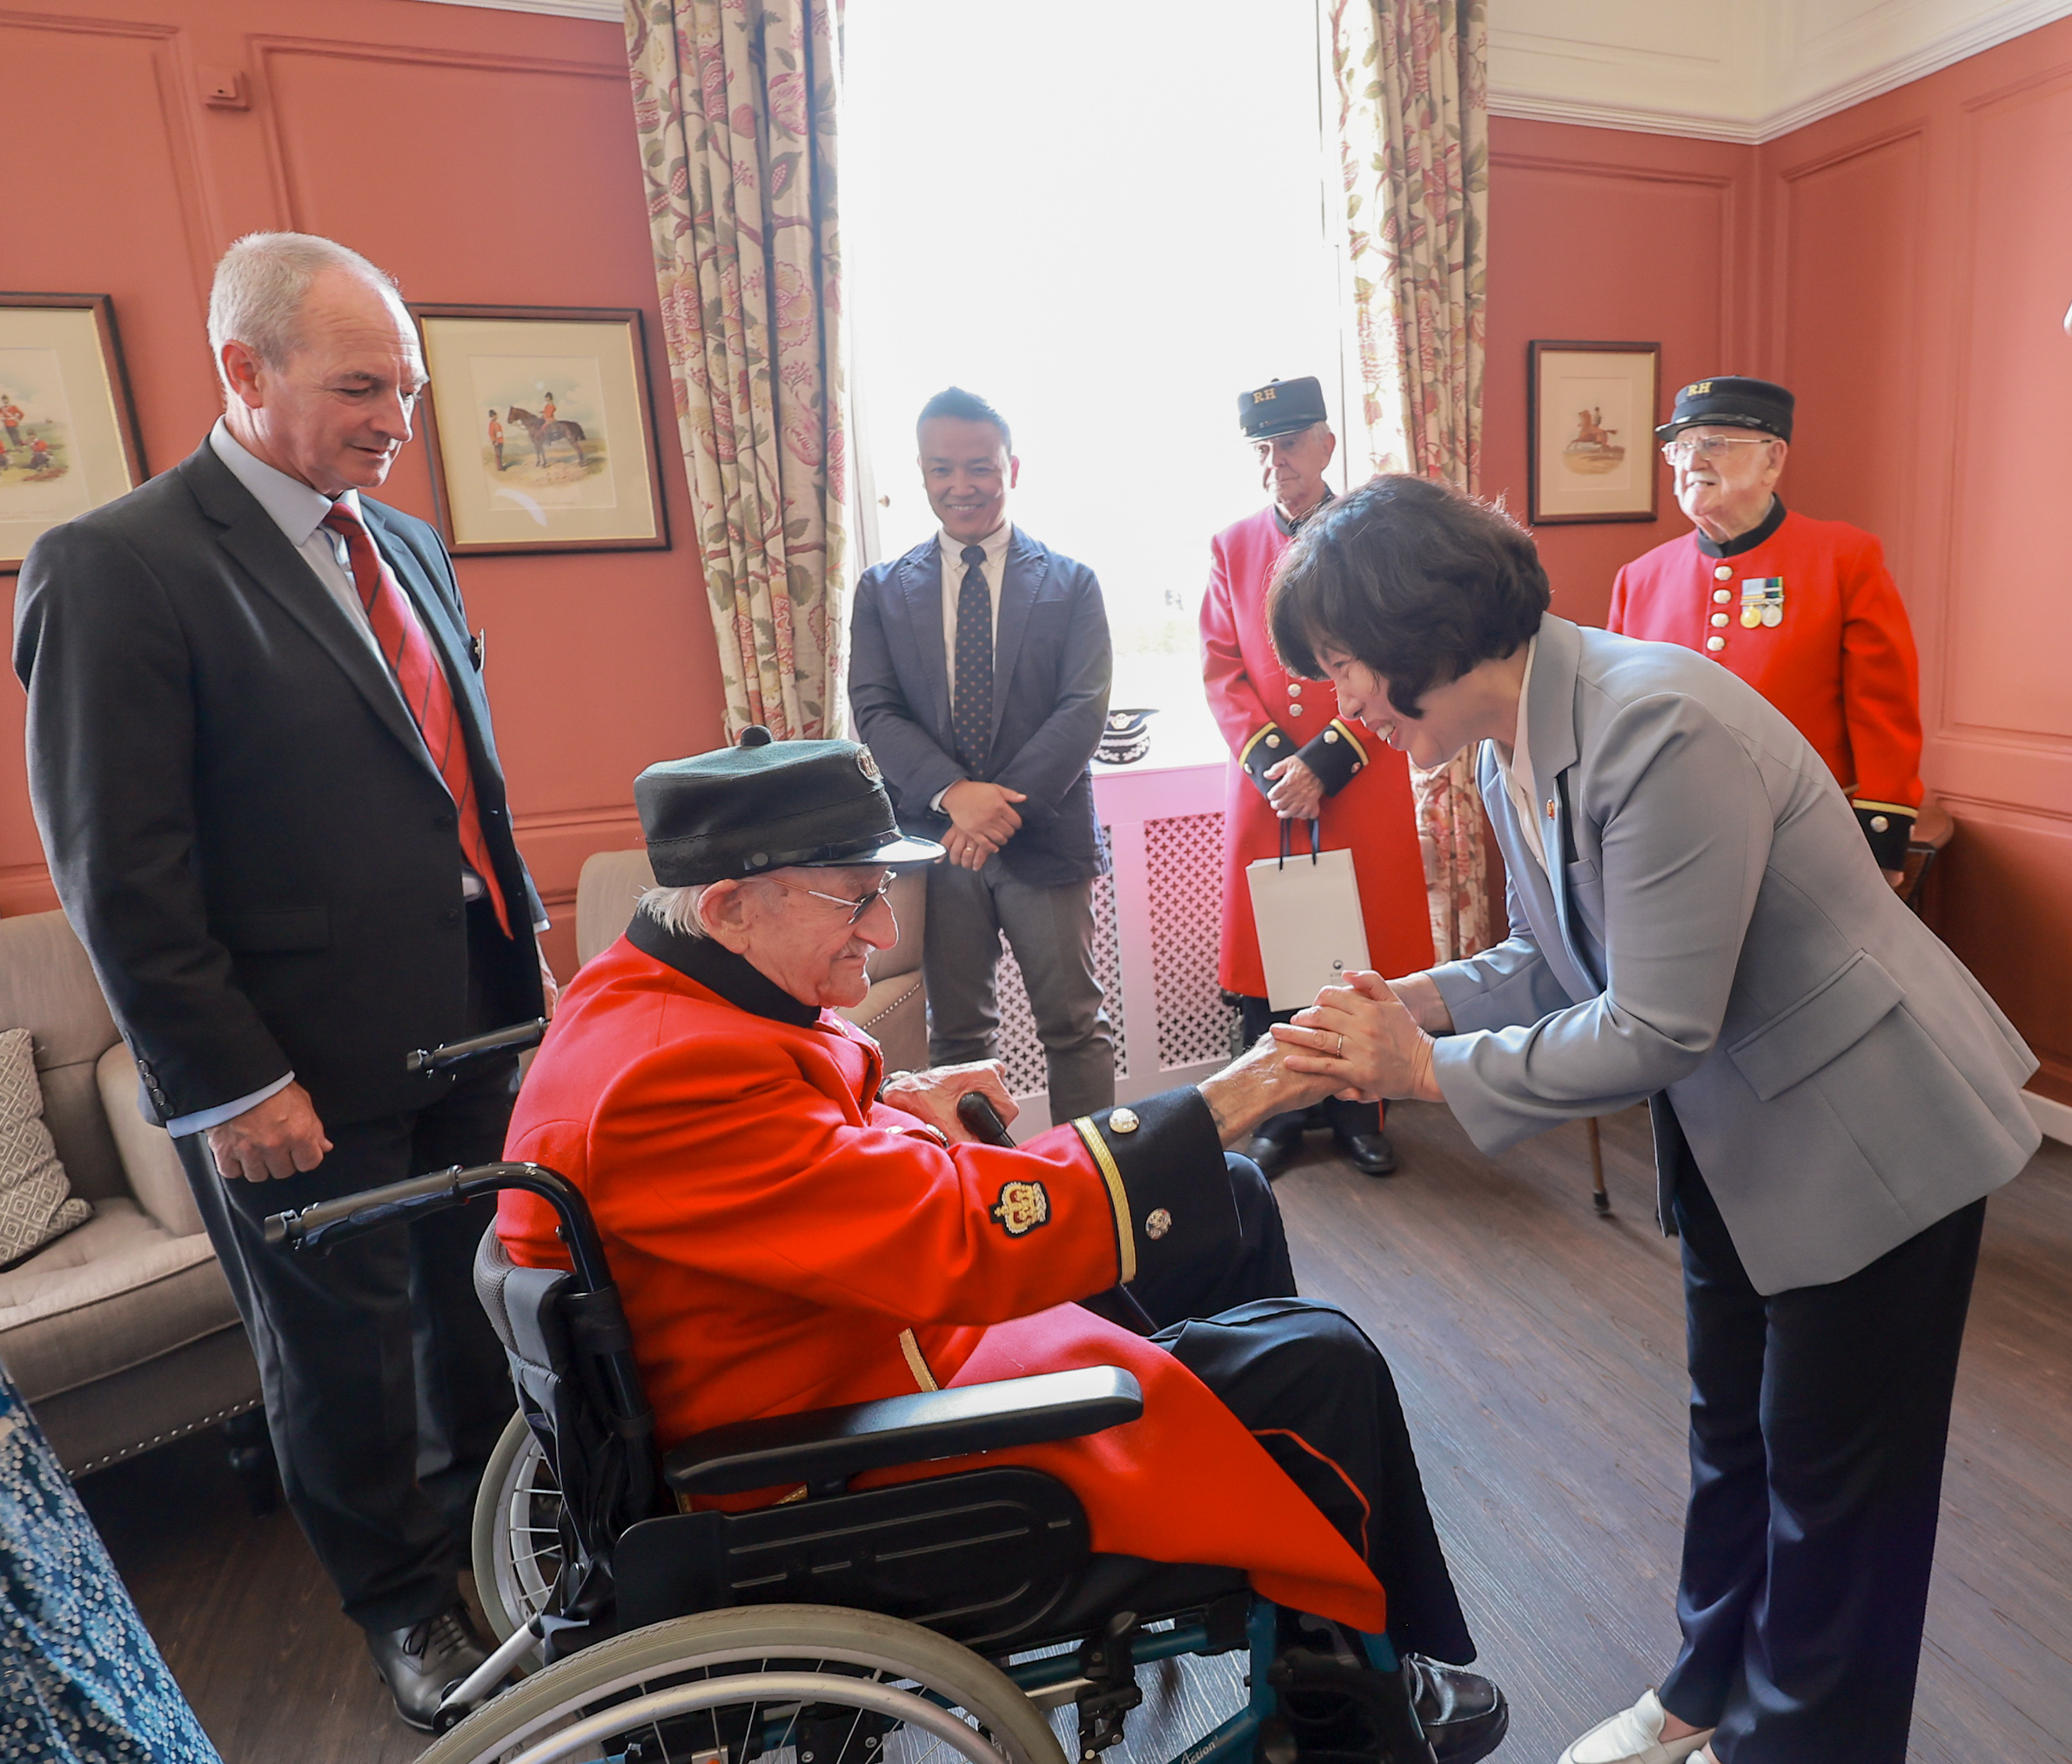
[{"x": 1517, "y": 769}]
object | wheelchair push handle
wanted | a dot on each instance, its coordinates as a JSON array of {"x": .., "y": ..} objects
[
  {"x": 451, "y": 1056},
  {"x": 353, "y": 1215}
]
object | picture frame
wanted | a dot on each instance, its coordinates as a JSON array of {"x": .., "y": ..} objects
[
  {"x": 1589, "y": 417},
  {"x": 538, "y": 422},
  {"x": 69, "y": 440}
]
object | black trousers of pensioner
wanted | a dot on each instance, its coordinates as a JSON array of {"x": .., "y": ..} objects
[
  {"x": 385, "y": 1387},
  {"x": 1819, "y": 1420}
]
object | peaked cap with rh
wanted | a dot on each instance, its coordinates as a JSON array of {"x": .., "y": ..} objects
[{"x": 764, "y": 804}]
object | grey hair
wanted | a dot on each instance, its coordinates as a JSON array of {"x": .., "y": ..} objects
[
  {"x": 261, "y": 282},
  {"x": 676, "y": 909}
]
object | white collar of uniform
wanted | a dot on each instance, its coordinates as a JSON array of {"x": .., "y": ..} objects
[
  {"x": 295, "y": 508},
  {"x": 993, "y": 544}
]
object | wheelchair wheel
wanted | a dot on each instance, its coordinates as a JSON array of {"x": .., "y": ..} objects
[
  {"x": 768, "y": 1683},
  {"x": 517, "y": 1531}
]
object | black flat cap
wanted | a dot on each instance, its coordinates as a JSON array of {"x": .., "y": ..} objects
[
  {"x": 1732, "y": 401},
  {"x": 767, "y": 805},
  {"x": 1280, "y": 407}
]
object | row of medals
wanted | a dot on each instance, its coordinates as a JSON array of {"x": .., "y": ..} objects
[{"x": 1762, "y": 601}]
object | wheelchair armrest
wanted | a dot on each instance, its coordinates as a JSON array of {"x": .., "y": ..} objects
[{"x": 820, "y": 1446}]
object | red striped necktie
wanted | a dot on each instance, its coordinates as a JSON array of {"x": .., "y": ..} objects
[{"x": 408, "y": 652}]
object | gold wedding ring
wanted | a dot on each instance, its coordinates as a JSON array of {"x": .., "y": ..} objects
[{"x": 1341, "y": 1047}]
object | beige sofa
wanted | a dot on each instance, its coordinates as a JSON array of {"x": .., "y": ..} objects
[
  {"x": 894, "y": 1012},
  {"x": 121, "y": 1334}
]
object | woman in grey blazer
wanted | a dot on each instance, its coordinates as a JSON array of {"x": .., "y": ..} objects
[{"x": 1696, "y": 923}]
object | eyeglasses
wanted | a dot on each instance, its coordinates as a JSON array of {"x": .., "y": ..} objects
[
  {"x": 1708, "y": 446},
  {"x": 857, "y": 908}
]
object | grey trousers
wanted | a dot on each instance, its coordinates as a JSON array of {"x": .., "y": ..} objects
[{"x": 1051, "y": 932}]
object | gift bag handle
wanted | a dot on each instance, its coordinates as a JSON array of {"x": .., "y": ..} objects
[{"x": 1286, "y": 841}]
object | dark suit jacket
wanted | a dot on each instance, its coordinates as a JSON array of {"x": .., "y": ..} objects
[
  {"x": 242, "y": 821},
  {"x": 1051, "y": 666}
]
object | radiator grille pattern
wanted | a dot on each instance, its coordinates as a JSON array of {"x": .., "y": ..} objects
[
  {"x": 1018, "y": 1044},
  {"x": 1184, "y": 857}
]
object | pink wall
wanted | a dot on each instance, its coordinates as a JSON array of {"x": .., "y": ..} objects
[
  {"x": 1603, "y": 234},
  {"x": 480, "y": 156},
  {"x": 1904, "y": 267}
]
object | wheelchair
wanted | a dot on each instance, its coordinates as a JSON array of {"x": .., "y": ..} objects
[{"x": 963, "y": 1613}]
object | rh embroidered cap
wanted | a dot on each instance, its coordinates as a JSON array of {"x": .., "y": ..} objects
[
  {"x": 1732, "y": 401},
  {"x": 1280, "y": 407},
  {"x": 766, "y": 804}
]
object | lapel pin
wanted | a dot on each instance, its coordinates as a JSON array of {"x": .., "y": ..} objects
[{"x": 1549, "y": 808}]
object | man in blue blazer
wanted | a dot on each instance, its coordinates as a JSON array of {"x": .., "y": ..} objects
[{"x": 978, "y": 675}]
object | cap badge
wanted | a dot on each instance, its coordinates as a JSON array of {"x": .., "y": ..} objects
[
  {"x": 867, "y": 765},
  {"x": 1265, "y": 394},
  {"x": 1698, "y": 388},
  {"x": 1022, "y": 1208}
]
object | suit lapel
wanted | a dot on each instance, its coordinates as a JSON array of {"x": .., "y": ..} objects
[
  {"x": 1027, "y": 564},
  {"x": 249, "y": 535},
  {"x": 920, "y": 577},
  {"x": 1550, "y": 729}
]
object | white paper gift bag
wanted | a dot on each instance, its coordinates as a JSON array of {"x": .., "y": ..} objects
[{"x": 1306, "y": 908}]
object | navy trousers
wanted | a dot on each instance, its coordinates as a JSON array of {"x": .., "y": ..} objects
[{"x": 1819, "y": 1419}]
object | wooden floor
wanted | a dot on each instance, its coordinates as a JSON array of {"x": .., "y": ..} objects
[{"x": 1540, "y": 1351}]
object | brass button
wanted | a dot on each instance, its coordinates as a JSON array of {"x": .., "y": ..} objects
[
  {"x": 1273, "y": 741},
  {"x": 1331, "y": 735},
  {"x": 1722, "y": 595},
  {"x": 1122, "y": 1120},
  {"x": 1715, "y": 644},
  {"x": 1723, "y": 573},
  {"x": 1718, "y": 617},
  {"x": 1295, "y": 710},
  {"x": 1294, "y": 689},
  {"x": 1158, "y": 1223},
  {"x": 1879, "y": 823}
]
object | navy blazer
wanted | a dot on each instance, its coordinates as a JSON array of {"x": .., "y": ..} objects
[
  {"x": 1051, "y": 669},
  {"x": 241, "y": 818}
]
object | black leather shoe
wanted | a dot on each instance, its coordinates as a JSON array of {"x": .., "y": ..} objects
[
  {"x": 1371, "y": 1153},
  {"x": 422, "y": 1661},
  {"x": 1464, "y": 1715},
  {"x": 1270, "y": 1147}
]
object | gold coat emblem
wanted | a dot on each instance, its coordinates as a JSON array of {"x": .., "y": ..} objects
[{"x": 1022, "y": 1206}]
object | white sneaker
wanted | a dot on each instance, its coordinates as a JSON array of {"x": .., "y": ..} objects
[{"x": 1634, "y": 1736}]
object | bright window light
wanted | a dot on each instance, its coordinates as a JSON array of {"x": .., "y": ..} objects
[{"x": 1108, "y": 220}]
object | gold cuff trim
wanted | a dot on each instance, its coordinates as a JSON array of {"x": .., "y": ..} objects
[
  {"x": 1885, "y": 807},
  {"x": 1118, "y": 1195},
  {"x": 1259, "y": 734},
  {"x": 917, "y": 1362},
  {"x": 1344, "y": 730}
]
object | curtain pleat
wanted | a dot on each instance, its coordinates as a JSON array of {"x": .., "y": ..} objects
[
  {"x": 734, "y": 104},
  {"x": 1413, "y": 138}
]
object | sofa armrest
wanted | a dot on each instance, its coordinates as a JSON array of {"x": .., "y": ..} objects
[
  {"x": 823, "y": 1446},
  {"x": 156, "y": 1176}
]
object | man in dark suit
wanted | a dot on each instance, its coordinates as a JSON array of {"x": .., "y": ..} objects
[
  {"x": 261, "y": 760},
  {"x": 979, "y": 677}
]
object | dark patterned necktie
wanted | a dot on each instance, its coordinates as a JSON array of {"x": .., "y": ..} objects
[{"x": 972, "y": 706}]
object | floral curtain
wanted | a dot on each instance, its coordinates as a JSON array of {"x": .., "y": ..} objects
[
  {"x": 1413, "y": 138},
  {"x": 734, "y": 102}
]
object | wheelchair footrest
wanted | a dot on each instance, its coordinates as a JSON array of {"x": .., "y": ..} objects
[{"x": 982, "y": 1556}]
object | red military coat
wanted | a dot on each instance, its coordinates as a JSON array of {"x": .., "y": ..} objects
[
  {"x": 783, "y": 1241},
  {"x": 1267, "y": 713},
  {"x": 1837, "y": 657}
]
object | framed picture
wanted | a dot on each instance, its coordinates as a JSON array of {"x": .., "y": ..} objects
[
  {"x": 68, "y": 429},
  {"x": 539, "y": 429},
  {"x": 1590, "y": 430}
]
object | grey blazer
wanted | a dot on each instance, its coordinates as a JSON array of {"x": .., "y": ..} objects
[{"x": 1716, "y": 933}]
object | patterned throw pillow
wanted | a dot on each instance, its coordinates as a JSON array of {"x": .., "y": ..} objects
[{"x": 37, "y": 1203}]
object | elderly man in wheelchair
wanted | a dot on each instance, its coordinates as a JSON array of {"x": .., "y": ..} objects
[{"x": 935, "y": 1467}]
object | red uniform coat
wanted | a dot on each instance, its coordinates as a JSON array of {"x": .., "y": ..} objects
[
  {"x": 1267, "y": 714},
  {"x": 1839, "y": 662},
  {"x": 783, "y": 1242}
]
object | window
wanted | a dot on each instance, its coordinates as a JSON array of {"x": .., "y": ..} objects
[{"x": 1108, "y": 220}]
